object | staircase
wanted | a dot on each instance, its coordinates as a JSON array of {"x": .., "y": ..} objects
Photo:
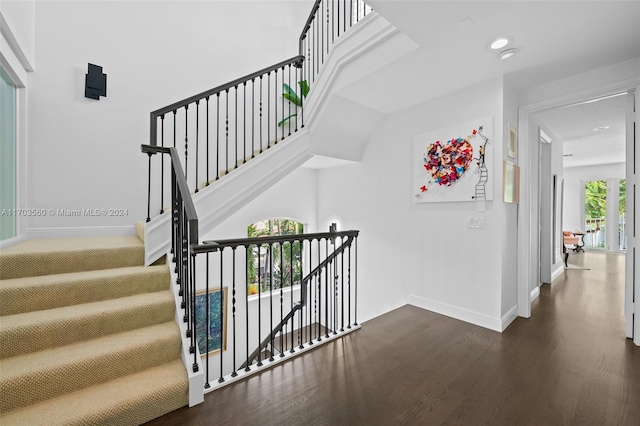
[{"x": 87, "y": 334}]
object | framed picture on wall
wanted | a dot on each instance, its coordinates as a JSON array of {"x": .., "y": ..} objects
[
  {"x": 511, "y": 185},
  {"x": 512, "y": 141},
  {"x": 211, "y": 321}
]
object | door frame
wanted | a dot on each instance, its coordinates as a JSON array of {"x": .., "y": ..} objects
[{"x": 528, "y": 217}]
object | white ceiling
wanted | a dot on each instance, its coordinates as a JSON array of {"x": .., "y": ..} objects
[
  {"x": 575, "y": 126},
  {"x": 555, "y": 39}
]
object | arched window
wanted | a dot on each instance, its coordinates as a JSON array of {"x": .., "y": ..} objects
[{"x": 275, "y": 266}]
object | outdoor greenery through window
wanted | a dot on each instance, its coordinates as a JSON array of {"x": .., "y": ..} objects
[
  {"x": 596, "y": 213},
  {"x": 274, "y": 266}
]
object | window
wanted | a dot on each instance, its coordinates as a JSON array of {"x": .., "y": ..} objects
[
  {"x": 8, "y": 148},
  {"x": 275, "y": 266}
]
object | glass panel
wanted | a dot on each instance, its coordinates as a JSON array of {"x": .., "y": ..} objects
[
  {"x": 622, "y": 216},
  {"x": 7, "y": 157},
  {"x": 595, "y": 206}
]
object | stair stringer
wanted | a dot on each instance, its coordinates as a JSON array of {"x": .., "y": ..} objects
[{"x": 218, "y": 201}]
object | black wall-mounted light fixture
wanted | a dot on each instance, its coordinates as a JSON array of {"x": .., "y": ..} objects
[{"x": 95, "y": 83}]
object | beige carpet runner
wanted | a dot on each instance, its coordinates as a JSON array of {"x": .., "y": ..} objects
[{"x": 87, "y": 335}]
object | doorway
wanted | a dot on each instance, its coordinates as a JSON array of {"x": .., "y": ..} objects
[{"x": 574, "y": 216}]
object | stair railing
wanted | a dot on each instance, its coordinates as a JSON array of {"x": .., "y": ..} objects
[
  {"x": 184, "y": 234},
  {"x": 307, "y": 293},
  {"x": 224, "y": 127},
  {"x": 220, "y": 129},
  {"x": 327, "y": 22}
]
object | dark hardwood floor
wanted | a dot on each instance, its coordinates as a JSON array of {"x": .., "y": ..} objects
[{"x": 570, "y": 363}]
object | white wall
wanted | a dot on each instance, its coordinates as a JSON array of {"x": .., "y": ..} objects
[
  {"x": 573, "y": 183},
  {"x": 510, "y": 236},
  {"x": 423, "y": 250},
  {"x": 86, "y": 153}
]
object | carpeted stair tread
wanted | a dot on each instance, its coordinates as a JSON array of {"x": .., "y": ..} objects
[
  {"x": 30, "y": 294},
  {"x": 57, "y": 256},
  {"x": 34, "y": 331},
  {"x": 129, "y": 400},
  {"x": 37, "y": 376}
]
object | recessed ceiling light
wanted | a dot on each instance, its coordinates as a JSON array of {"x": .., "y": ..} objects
[
  {"x": 499, "y": 43},
  {"x": 506, "y": 54},
  {"x": 600, "y": 128}
]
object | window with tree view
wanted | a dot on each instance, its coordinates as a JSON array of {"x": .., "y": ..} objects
[
  {"x": 274, "y": 266},
  {"x": 597, "y": 217}
]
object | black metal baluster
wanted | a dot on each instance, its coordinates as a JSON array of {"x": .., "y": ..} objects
[
  {"x": 192, "y": 280},
  {"x": 149, "y": 190},
  {"x": 259, "y": 306},
  {"x": 320, "y": 13},
  {"x": 246, "y": 306},
  {"x": 328, "y": 16},
  {"x": 355, "y": 282},
  {"x": 333, "y": 21},
  {"x": 162, "y": 165},
  {"x": 233, "y": 312},
  {"x": 174, "y": 127},
  {"x": 342, "y": 284},
  {"x": 186, "y": 143},
  {"x": 236, "y": 128},
  {"x": 326, "y": 291},
  {"x": 289, "y": 121},
  {"x": 217, "y": 135},
  {"x": 303, "y": 72},
  {"x": 275, "y": 107},
  {"x": 282, "y": 336},
  {"x": 271, "y": 299},
  {"x": 312, "y": 289},
  {"x": 244, "y": 122},
  {"x": 197, "y": 139},
  {"x": 221, "y": 379},
  {"x": 319, "y": 293},
  {"x": 303, "y": 299},
  {"x": 268, "y": 109},
  {"x": 344, "y": 19},
  {"x": 174, "y": 219},
  {"x": 207, "y": 385},
  {"x": 349, "y": 287},
  {"x": 282, "y": 101},
  {"x": 226, "y": 152},
  {"x": 260, "y": 114},
  {"x": 207, "y": 184},
  {"x": 253, "y": 120},
  {"x": 291, "y": 281}
]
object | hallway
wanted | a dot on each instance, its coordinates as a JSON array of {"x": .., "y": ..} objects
[{"x": 568, "y": 364}]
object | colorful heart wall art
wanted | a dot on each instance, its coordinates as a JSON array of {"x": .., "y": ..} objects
[{"x": 447, "y": 162}]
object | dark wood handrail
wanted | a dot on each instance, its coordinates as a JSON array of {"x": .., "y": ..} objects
[
  {"x": 189, "y": 207},
  {"x": 215, "y": 245}
]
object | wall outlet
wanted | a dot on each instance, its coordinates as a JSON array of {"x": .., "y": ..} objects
[{"x": 475, "y": 222}]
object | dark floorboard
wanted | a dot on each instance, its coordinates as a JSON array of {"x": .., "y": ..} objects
[{"x": 569, "y": 364}]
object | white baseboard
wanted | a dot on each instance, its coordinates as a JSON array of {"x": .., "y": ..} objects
[
  {"x": 509, "y": 317},
  {"x": 465, "y": 315},
  {"x": 78, "y": 232},
  {"x": 534, "y": 294},
  {"x": 559, "y": 270}
]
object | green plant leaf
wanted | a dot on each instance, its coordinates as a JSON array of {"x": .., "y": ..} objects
[
  {"x": 284, "y": 120},
  {"x": 304, "y": 88},
  {"x": 291, "y": 95}
]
